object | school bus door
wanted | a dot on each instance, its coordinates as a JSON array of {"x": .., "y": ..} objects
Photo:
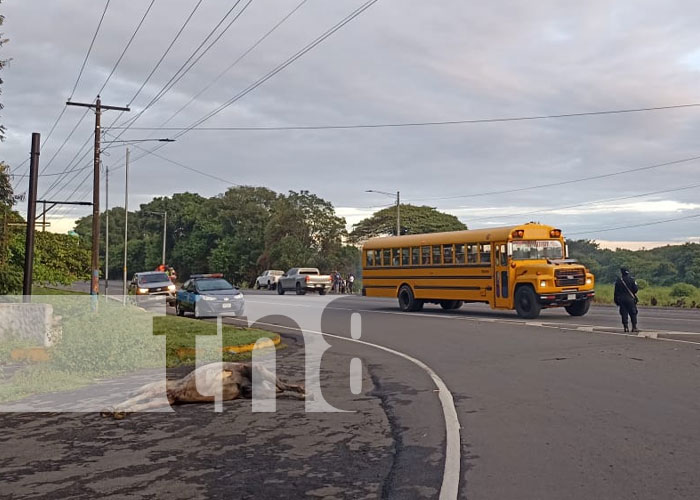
[{"x": 501, "y": 283}]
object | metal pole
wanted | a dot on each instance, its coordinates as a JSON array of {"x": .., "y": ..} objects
[
  {"x": 398, "y": 215},
  {"x": 43, "y": 219},
  {"x": 95, "y": 260},
  {"x": 126, "y": 219},
  {"x": 106, "y": 229},
  {"x": 31, "y": 216},
  {"x": 165, "y": 229}
]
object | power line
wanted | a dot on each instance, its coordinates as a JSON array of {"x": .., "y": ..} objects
[
  {"x": 561, "y": 183},
  {"x": 87, "y": 55},
  {"x": 605, "y": 200},
  {"x": 644, "y": 224},
  {"x": 420, "y": 124}
]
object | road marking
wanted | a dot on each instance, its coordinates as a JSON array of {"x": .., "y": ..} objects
[{"x": 450, "y": 477}]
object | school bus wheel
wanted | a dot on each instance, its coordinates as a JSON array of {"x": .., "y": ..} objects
[
  {"x": 578, "y": 308},
  {"x": 451, "y": 304},
  {"x": 526, "y": 304},
  {"x": 407, "y": 302}
]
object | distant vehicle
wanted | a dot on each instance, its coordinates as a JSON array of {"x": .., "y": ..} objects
[
  {"x": 208, "y": 295},
  {"x": 521, "y": 267},
  {"x": 268, "y": 279},
  {"x": 304, "y": 279},
  {"x": 152, "y": 283}
]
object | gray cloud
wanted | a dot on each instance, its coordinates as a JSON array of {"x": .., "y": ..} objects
[{"x": 400, "y": 61}]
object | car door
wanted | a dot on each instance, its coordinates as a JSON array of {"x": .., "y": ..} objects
[
  {"x": 288, "y": 279},
  {"x": 191, "y": 295}
]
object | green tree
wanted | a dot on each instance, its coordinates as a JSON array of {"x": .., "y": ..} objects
[{"x": 414, "y": 220}]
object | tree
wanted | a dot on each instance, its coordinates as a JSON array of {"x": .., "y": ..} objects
[
  {"x": 3, "y": 63},
  {"x": 414, "y": 220}
]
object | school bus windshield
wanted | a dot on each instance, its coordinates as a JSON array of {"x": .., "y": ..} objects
[{"x": 537, "y": 249}]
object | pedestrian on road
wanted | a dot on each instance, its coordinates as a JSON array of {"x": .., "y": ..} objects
[
  {"x": 626, "y": 298},
  {"x": 351, "y": 281}
]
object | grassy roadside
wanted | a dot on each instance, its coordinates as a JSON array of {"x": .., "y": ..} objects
[
  {"x": 664, "y": 296},
  {"x": 113, "y": 342}
]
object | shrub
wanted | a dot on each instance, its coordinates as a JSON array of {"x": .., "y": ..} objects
[
  {"x": 683, "y": 290},
  {"x": 642, "y": 284}
]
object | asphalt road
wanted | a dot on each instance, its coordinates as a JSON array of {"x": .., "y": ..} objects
[
  {"x": 557, "y": 407},
  {"x": 560, "y": 407}
]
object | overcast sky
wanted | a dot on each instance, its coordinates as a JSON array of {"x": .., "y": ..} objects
[{"x": 400, "y": 61}]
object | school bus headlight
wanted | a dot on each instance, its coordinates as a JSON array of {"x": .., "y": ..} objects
[
  {"x": 543, "y": 284},
  {"x": 589, "y": 281}
]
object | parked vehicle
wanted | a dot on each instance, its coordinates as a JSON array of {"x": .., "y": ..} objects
[
  {"x": 268, "y": 279},
  {"x": 304, "y": 279},
  {"x": 152, "y": 283},
  {"x": 207, "y": 295}
]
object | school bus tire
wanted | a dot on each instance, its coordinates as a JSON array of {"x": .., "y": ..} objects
[
  {"x": 578, "y": 308},
  {"x": 407, "y": 301},
  {"x": 451, "y": 304},
  {"x": 526, "y": 304}
]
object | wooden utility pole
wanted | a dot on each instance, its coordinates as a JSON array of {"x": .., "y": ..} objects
[
  {"x": 31, "y": 215},
  {"x": 95, "y": 261}
]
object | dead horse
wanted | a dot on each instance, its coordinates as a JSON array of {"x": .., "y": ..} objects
[{"x": 235, "y": 379}]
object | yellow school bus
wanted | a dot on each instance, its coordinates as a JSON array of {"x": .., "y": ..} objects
[{"x": 521, "y": 267}]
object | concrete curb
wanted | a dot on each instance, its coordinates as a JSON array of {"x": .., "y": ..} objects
[{"x": 235, "y": 349}]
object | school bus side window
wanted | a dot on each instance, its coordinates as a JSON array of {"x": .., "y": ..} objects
[
  {"x": 404, "y": 256},
  {"x": 504, "y": 255},
  {"x": 485, "y": 253},
  {"x": 377, "y": 257},
  {"x": 437, "y": 255},
  {"x": 415, "y": 256},
  {"x": 395, "y": 257},
  {"x": 447, "y": 254},
  {"x": 387, "y": 256},
  {"x": 459, "y": 253},
  {"x": 472, "y": 253},
  {"x": 425, "y": 255},
  {"x": 370, "y": 258}
]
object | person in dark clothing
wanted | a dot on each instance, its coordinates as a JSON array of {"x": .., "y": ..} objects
[{"x": 626, "y": 298}]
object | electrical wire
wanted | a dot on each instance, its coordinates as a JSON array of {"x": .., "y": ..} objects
[
  {"x": 420, "y": 124},
  {"x": 631, "y": 226},
  {"x": 87, "y": 55}
]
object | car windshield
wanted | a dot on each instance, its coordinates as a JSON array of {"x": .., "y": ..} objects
[
  {"x": 537, "y": 249},
  {"x": 209, "y": 285},
  {"x": 153, "y": 278}
]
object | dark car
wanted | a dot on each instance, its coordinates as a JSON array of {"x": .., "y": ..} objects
[
  {"x": 153, "y": 283},
  {"x": 207, "y": 295}
]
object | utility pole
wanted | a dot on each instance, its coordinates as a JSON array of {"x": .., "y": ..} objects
[
  {"x": 106, "y": 229},
  {"x": 165, "y": 229},
  {"x": 126, "y": 220},
  {"x": 398, "y": 214},
  {"x": 95, "y": 260},
  {"x": 31, "y": 216}
]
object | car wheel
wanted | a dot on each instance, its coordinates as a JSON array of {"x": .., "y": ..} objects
[
  {"x": 280, "y": 290},
  {"x": 178, "y": 309},
  {"x": 257, "y": 285},
  {"x": 579, "y": 308},
  {"x": 526, "y": 304},
  {"x": 407, "y": 302},
  {"x": 299, "y": 290}
]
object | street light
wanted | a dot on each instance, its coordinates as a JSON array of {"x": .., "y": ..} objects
[
  {"x": 398, "y": 207},
  {"x": 165, "y": 228}
]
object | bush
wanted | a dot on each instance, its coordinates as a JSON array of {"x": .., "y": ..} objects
[
  {"x": 683, "y": 290},
  {"x": 642, "y": 284}
]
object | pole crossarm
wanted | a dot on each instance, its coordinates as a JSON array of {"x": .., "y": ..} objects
[
  {"x": 54, "y": 203},
  {"x": 103, "y": 107}
]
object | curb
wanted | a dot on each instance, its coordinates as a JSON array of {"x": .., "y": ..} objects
[{"x": 235, "y": 349}]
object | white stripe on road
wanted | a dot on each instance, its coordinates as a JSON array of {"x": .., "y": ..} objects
[{"x": 450, "y": 477}]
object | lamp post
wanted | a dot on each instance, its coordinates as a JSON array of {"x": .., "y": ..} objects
[{"x": 398, "y": 207}]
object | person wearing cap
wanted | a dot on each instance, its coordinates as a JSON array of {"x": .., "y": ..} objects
[{"x": 626, "y": 298}]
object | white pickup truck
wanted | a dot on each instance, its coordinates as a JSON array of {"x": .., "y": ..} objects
[{"x": 302, "y": 280}]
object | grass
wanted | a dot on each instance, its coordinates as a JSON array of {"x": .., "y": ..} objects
[
  {"x": 115, "y": 341},
  {"x": 650, "y": 296},
  {"x": 45, "y": 290}
]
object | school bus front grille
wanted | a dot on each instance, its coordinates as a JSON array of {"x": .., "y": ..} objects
[{"x": 569, "y": 277}]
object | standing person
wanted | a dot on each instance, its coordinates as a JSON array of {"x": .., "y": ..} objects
[
  {"x": 626, "y": 298},
  {"x": 351, "y": 281}
]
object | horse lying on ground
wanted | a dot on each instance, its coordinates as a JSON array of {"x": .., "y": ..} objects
[{"x": 235, "y": 380}]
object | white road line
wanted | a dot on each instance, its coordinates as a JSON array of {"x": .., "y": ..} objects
[{"x": 450, "y": 478}]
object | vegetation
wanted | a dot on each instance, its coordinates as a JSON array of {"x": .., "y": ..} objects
[
  {"x": 414, "y": 220},
  {"x": 663, "y": 266},
  {"x": 113, "y": 342}
]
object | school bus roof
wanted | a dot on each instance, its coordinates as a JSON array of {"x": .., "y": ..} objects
[{"x": 531, "y": 231}]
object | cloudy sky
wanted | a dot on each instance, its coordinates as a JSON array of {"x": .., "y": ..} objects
[{"x": 400, "y": 61}]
